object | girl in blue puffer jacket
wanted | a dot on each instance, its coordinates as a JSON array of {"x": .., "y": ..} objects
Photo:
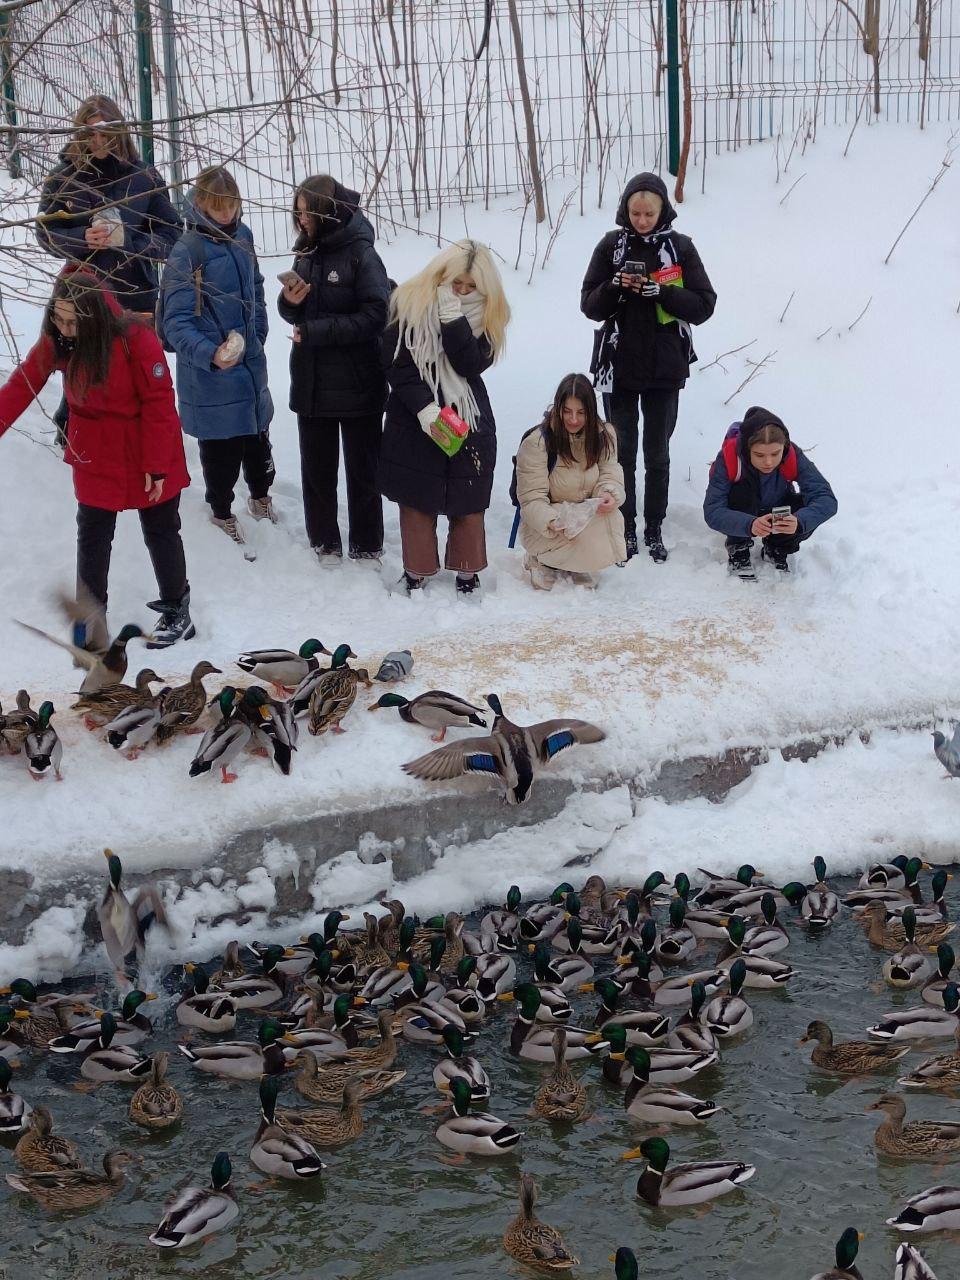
[{"x": 212, "y": 315}]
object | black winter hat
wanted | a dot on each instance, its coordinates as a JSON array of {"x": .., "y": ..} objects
[
  {"x": 646, "y": 182},
  {"x": 754, "y": 420}
]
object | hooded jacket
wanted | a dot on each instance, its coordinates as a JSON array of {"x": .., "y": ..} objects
[
  {"x": 732, "y": 504},
  {"x": 335, "y": 368},
  {"x": 150, "y": 222},
  {"x": 217, "y": 404},
  {"x": 122, "y": 430},
  {"x": 649, "y": 355}
]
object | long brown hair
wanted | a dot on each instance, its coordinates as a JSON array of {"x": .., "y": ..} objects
[
  {"x": 319, "y": 194},
  {"x": 88, "y": 362},
  {"x": 98, "y": 105},
  {"x": 596, "y": 441}
]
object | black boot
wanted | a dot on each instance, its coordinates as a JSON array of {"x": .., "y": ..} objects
[
  {"x": 654, "y": 544},
  {"x": 469, "y": 585},
  {"x": 777, "y": 557},
  {"x": 174, "y": 623},
  {"x": 630, "y": 538},
  {"x": 738, "y": 562},
  {"x": 410, "y": 583}
]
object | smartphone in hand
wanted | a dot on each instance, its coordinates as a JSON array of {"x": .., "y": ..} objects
[
  {"x": 290, "y": 278},
  {"x": 780, "y": 513}
]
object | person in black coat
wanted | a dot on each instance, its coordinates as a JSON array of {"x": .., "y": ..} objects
[
  {"x": 447, "y": 326},
  {"x": 102, "y": 206},
  {"x": 647, "y": 285},
  {"x": 336, "y": 299}
]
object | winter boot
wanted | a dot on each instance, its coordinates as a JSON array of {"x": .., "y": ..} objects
[
  {"x": 468, "y": 585},
  {"x": 584, "y": 580},
  {"x": 739, "y": 562},
  {"x": 411, "y": 583},
  {"x": 654, "y": 544},
  {"x": 328, "y": 555},
  {"x": 262, "y": 509},
  {"x": 174, "y": 624},
  {"x": 777, "y": 557},
  {"x": 542, "y": 576},
  {"x": 231, "y": 527}
]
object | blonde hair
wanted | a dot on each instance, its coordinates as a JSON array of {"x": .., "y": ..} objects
[
  {"x": 413, "y": 301},
  {"x": 98, "y": 105},
  {"x": 216, "y": 191},
  {"x": 647, "y": 198}
]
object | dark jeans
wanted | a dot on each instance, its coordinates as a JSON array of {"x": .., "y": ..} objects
[
  {"x": 319, "y": 464},
  {"x": 222, "y": 461},
  {"x": 787, "y": 542},
  {"x": 161, "y": 534},
  {"x": 659, "y": 409}
]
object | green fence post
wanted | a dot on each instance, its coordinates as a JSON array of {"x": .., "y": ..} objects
[
  {"x": 673, "y": 87},
  {"x": 14, "y": 166},
  {"x": 144, "y": 24}
]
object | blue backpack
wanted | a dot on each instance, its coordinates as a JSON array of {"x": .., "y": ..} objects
[{"x": 551, "y": 463}]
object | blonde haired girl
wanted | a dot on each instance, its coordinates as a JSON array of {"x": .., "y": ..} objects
[{"x": 447, "y": 326}]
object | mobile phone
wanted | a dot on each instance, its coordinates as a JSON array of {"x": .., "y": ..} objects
[
  {"x": 290, "y": 277},
  {"x": 779, "y": 513},
  {"x": 633, "y": 268}
]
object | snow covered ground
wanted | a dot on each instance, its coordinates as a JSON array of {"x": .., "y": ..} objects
[{"x": 672, "y": 660}]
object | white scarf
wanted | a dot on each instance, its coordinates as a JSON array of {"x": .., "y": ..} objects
[{"x": 426, "y": 349}]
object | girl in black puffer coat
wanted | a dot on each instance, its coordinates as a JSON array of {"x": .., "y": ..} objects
[
  {"x": 336, "y": 299},
  {"x": 647, "y": 284}
]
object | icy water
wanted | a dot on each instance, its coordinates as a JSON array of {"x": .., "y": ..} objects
[{"x": 387, "y": 1207}]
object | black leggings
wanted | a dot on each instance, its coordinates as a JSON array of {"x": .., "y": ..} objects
[
  {"x": 788, "y": 542},
  {"x": 161, "y": 534},
  {"x": 659, "y": 410}
]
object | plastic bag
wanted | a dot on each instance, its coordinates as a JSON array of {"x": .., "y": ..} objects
[
  {"x": 112, "y": 219},
  {"x": 232, "y": 347},
  {"x": 571, "y": 518}
]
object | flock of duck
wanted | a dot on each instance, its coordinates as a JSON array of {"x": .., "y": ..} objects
[
  {"x": 436, "y": 987},
  {"x": 131, "y": 717}
]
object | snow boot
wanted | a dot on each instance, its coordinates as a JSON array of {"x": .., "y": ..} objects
[
  {"x": 262, "y": 509},
  {"x": 231, "y": 527},
  {"x": 739, "y": 562},
  {"x": 468, "y": 586},
  {"x": 654, "y": 544},
  {"x": 410, "y": 583},
  {"x": 174, "y": 624},
  {"x": 542, "y": 577},
  {"x": 777, "y": 557}
]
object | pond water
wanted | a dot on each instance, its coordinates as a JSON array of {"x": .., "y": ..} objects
[{"x": 387, "y": 1206}]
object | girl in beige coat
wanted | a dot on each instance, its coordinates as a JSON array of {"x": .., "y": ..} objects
[{"x": 586, "y": 472}]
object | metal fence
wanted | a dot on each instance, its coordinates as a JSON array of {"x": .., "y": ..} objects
[{"x": 406, "y": 100}]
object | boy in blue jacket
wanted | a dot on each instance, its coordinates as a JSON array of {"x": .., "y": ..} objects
[{"x": 762, "y": 486}]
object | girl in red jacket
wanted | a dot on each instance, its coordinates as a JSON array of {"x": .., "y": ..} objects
[{"x": 124, "y": 441}]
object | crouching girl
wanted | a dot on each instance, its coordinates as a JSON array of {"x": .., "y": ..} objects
[
  {"x": 570, "y": 489},
  {"x": 762, "y": 486}
]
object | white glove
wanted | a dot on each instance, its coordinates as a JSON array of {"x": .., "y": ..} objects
[
  {"x": 428, "y": 417},
  {"x": 650, "y": 289},
  {"x": 448, "y": 304}
]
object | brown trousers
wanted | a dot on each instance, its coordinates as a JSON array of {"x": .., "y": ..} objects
[{"x": 466, "y": 550}]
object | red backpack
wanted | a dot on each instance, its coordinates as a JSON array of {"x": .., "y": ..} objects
[{"x": 734, "y": 463}]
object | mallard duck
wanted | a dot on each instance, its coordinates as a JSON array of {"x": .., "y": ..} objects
[
  {"x": 768, "y": 938},
  {"x": 326, "y": 1126},
  {"x": 131, "y": 1028},
  {"x": 561, "y": 1096},
  {"x": 424, "y": 1022},
  {"x": 702, "y": 921},
  {"x": 685, "y": 1184},
  {"x": 820, "y": 905},
  {"x": 74, "y": 1188},
  {"x": 259, "y": 990},
  {"x": 515, "y": 753},
  {"x": 184, "y": 704},
  {"x": 495, "y": 973},
  {"x": 667, "y": 993},
  {"x": 453, "y": 951},
  {"x": 885, "y": 875},
  {"x": 729, "y": 1014},
  {"x": 13, "y": 1036},
  {"x": 276, "y": 1151},
  {"x": 434, "y": 710},
  {"x": 324, "y": 1081},
  {"x": 197, "y": 1212},
  {"x": 135, "y": 727},
  {"x": 222, "y": 744},
  {"x": 477, "y": 1133},
  {"x": 658, "y": 1104},
  {"x": 240, "y": 1059},
  {"x": 105, "y": 1062},
  {"x": 103, "y": 668},
  {"x": 321, "y": 1043},
  {"x": 370, "y": 953},
  {"x": 941, "y": 1071},
  {"x": 664, "y": 1065},
  {"x": 910, "y": 1265},
  {"x": 458, "y": 1063},
  {"x": 719, "y": 888},
  {"x": 42, "y": 747},
  {"x": 533, "y": 1242},
  {"x": 625, "y": 1263},
  {"x": 231, "y": 966},
  {"x": 846, "y": 1258},
  {"x": 156, "y": 1104},
  {"x": 643, "y": 1026},
  {"x": 333, "y": 696},
  {"x": 40, "y": 1149},
  {"x": 273, "y": 726},
  {"x": 15, "y": 725},
  {"x": 762, "y": 972},
  {"x": 125, "y": 924},
  {"x": 281, "y": 667},
  {"x": 465, "y": 996},
  {"x": 15, "y": 1112},
  {"x": 205, "y": 1010},
  {"x": 535, "y": 1044},
  {"x": 921, "y": 1022},
  {"x": 572, "y": 972},
  {"x": 917, "y": 1138},
  {"x": 889, "y": 933},
  {"x": 599, "y": 904},
  {"x": 852, "y": 1057},
  {"x": 678, "y": 942},
  {"x": 49, "y": 1017},
  {"x": 909, "y": 967},
  {"x": 936, "y": 1209},
  {"x": 380, "y": 1055},
  {"x": 590, "y": 939},
  {"x": 688, "y": 1030},
  {"x": 101, "y": 707},
  {"x": 542, "y": 920},
  {"x": 386, "y": 983}
]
